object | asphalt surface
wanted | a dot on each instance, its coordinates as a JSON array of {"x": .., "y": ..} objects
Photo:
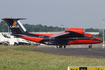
[{"x": 83, "y": 52}]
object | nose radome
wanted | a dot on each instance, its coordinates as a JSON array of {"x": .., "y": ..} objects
[{"x": 100, "y": 40}]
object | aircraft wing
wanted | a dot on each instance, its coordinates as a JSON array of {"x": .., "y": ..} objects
[
  {"x": 60, "y": 34},
  {"x": 64, "y": 34}
]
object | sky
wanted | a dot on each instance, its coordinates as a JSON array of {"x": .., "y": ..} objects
[{"x": 61, "y": 13}]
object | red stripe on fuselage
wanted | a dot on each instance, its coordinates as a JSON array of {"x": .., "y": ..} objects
[
  {"x": 35, "y": 39},
  {"x": 84, "y": 42},
  {"x": 42, "y": 34}
]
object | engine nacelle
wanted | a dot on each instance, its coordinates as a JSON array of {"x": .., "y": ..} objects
[{"x": 75, "y": 31}]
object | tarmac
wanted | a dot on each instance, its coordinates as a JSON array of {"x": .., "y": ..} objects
[{"x": 75, "y": 51}]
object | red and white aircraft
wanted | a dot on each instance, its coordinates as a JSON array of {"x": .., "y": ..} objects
[{"x": 70, "y": 36}]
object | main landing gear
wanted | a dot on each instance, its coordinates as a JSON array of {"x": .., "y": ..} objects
[
  {"x": 61, "y": 46},
  {"x": 90, "y": 46}
]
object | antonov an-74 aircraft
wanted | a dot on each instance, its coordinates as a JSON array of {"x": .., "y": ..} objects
[{"x": 70, "y": 36}]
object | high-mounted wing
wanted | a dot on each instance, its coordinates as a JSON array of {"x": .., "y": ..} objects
[
  {"x": 60, "y": 34},
  {"x": 70, "y": 32}
]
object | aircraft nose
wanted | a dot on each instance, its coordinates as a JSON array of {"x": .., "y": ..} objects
[{"x": 100, "y": 40}]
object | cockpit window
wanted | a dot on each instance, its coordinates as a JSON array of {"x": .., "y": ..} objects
[{"x": 93, "y": 36}]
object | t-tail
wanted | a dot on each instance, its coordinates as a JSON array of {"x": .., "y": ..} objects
[
  {"x": 19, "y": 30},
  {"x": 15, "y": 26}
]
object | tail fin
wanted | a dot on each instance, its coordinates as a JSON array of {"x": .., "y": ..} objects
[
  {"x": 15, "y": 26},
  {"x": 1, "y": 36}
]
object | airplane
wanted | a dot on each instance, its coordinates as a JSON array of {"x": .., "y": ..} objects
[
  {"x": 3, "y": 40},
  {"x": 18, "y": 41},
  {"x": 70, "y": 36},
  {"x": 22, "y": 41},
  {"x": 6, "y": 41}
]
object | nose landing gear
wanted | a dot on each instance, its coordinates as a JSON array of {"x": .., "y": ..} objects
[{"x": 90, "y": 46}]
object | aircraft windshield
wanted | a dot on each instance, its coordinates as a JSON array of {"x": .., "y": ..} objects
[{"x": 92, "y": 36}]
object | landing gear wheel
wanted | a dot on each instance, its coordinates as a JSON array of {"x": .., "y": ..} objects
[
  {"x": 60, "y": 46},
  {"x": 90, "y": 46},
  {"x": 64, "y": 46},
  {"x": 57, "y": 46}
]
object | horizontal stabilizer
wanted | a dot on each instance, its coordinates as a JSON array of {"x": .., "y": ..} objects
[{"x": 14, "y": 19}]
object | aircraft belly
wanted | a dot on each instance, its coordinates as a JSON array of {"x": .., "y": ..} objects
[{"x": 54, "y": 41}]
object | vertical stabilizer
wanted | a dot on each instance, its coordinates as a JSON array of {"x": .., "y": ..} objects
[
  {"x": 15, "y": 26},
  {"x": 1, "y": 36}
]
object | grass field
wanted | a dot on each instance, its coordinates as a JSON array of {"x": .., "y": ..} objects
[{"x": 19, "y": 58}]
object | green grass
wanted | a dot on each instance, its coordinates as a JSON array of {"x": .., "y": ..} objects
[{"x": 19, "y": 58}]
